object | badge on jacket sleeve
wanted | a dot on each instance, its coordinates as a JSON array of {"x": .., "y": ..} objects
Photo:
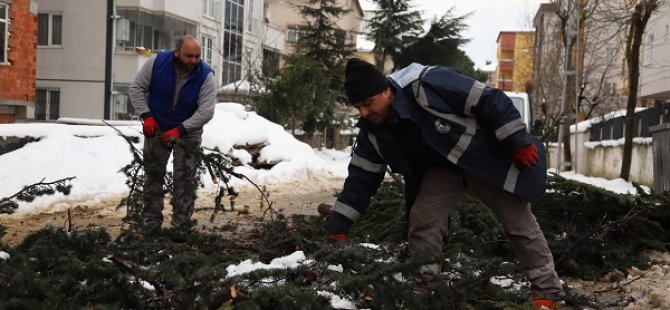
[{"x": 442, "y": 126}]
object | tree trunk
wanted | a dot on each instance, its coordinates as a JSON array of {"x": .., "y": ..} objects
[{"x": 639, "y": 18}]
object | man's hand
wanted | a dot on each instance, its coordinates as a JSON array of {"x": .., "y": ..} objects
[
  {"x": 340, "y": 237},
  {"x": 526, "y": 156},
  {"x": 171, "y": 135},
  {"x": 149, "y": 126}
]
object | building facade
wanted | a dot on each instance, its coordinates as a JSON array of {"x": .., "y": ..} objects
[
  {"x": 655, "y": 58},
  {"x": 86, "y": 53},
  {"x": 18, "y": 23},
  {"x": 515, "y": 60}
]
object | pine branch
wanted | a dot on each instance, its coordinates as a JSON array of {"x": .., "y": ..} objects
[
  {"x": 30, "y": 192},
  {"x": 216, "y": 163},
  {"x": 603, "y": 229},
  {"x": 138, "y": 273}
]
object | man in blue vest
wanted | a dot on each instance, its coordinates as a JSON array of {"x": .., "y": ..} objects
[
  {"x": 447, "y": 135},
  {"x": 175, "y": 94}
]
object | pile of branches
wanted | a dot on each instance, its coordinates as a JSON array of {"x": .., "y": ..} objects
[{"x": 590, "y": 231}]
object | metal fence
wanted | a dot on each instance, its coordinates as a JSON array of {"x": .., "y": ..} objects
[{"x": 613, "y": 129}]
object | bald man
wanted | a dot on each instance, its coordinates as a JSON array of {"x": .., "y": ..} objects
[{"x": 174, "y": 93}]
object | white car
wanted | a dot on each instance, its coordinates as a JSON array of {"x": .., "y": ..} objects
[{"x": 522, "y": 104}]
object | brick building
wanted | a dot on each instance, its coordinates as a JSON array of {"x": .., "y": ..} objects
[{"x": 18, "y": 39}]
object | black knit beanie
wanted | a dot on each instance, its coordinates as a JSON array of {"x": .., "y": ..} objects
[{"x": 363, "y": 80}]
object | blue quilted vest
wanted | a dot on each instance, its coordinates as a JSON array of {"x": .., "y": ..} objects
[{"x": 162, "y": 91}]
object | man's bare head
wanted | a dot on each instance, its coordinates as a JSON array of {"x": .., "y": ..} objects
[{"x": 187, "y": 53}]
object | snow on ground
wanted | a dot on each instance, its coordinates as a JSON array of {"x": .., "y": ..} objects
[
  {"x": 95, "y": 154},
  {"x": 619, "y": 185}
]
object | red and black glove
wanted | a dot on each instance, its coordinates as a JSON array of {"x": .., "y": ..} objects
[
  {"x": 149, "y": 126},
  {"x": 340, "y": 237},
  {"x": 526, "y": 156},
  {"x": 171, "y": 135}
]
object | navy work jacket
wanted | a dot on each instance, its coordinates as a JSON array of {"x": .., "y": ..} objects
[{"x": 474, "y": 127}]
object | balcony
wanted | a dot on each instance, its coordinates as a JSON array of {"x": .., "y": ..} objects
[
  {"x": 506, "y": 65},
  {"x": 505, "y": 85}
]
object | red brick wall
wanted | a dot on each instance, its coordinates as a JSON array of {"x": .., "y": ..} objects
[{"x": 17, "y": 79}]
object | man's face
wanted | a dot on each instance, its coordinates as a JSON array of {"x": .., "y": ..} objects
[
  {"x": 188, "y": 55},
  {"x": 376, "y": 109}
]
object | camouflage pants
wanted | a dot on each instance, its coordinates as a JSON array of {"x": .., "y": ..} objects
[
  {"x": 441, "y": 189},
  {"x": 186, "y": 157}
]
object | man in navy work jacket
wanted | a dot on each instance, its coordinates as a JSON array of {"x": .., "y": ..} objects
[
  {"x": 447, "y": 135},
  {"x": 175, "y": 95}
]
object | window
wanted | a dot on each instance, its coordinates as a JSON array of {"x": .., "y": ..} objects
[
  {"x": 49, "y": 29},
  {"x": 210, "y": 8},
  {"x": 207, "y": 47},
  {"x": 155, "y": 31},
  {"x": 270, "y": 62},
  {"x": 122, "y": 109},
  {"x": 648, "y": 50},
  {"x": 47, "y": 104},
  {"x": 4, "y": 32},
  {"x": 232, "y": 42},
  {"x": 293, "y": 34}
]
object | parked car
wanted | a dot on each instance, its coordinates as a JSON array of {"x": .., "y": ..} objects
[{"x": 522, "y": 104}]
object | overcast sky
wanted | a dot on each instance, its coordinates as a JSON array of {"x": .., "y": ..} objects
[{"x": 489, "y": 17}]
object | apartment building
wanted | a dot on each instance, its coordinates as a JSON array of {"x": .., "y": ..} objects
[
  {"x": 285, "y": 15},
  {"x": 655, "y": 62},
  {"x": 515, "y": 60},
  {"x": 88, "y": 52},
  {"x": 17, "y": 59}
]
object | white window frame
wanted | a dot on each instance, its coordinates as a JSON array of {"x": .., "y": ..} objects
[
  {"x": 211, "y": 8},
  {"x": 50, "y": 34},
  {"x": 207, "y": 43},
  {"x": 5, "y": 21}
]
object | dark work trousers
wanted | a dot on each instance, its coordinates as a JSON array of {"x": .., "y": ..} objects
[
  {"x": 442, "y": 188},
  {"x": 185, "y": 163}
]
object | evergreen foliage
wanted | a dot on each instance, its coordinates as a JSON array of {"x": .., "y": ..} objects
[
  {"x": 29, "y": 192},
  {"x": 218, "y": 165},
  {"x": 86, "y": 268},
  {"x": 393, "y": 27},
  {"x": 296, "y": 98},
  {"x": 311, "y": 81},
  {"x": 441, "y": 46}
]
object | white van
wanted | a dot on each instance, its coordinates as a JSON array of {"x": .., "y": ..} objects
[{"x": 520, "y": 101}]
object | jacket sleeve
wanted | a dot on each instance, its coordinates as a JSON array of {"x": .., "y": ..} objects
[
  {"x": 139, "y": 89},
  {"x": 206, "y": 105},
  {"x": 470, "y": 98},
  {"x": 366, "y": 172}
]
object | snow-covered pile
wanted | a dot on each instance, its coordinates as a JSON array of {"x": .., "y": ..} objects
[{"x": 94, "y": 154}]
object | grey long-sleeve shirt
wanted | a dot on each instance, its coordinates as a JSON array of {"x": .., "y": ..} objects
[{"x": 139, "y": 92}]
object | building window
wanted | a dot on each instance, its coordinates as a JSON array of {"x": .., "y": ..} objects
[
  {"x": 270, "y": 62},
  {"x": 648, "y": 50},
  {"x": 49, "y": 29},
  {"x": 147, "y": 30},
  {"x": 122, "y": 109},
  {"x": 232, "y": 42},
  {"x": 4, "y": 32},
  {"x": 210, "y": 8},
  {"x": 47, "y": 104},
  {"x": 294, "y": 32},
  {"x": 207, "y": 48}
]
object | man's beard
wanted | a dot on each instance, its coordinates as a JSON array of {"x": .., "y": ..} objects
[{"x": 182, "y": 66}]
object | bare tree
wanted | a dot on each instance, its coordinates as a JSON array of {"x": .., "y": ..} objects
[{"x": 640, "y": 13}]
